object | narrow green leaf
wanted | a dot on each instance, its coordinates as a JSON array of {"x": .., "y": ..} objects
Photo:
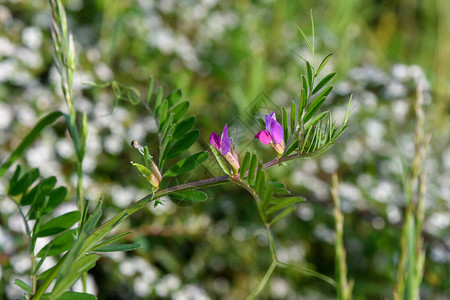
[
  {"x": 77, "y": 268},
  {"x": 305, "y": 140},
  {"x": 58, "y": 245},
  {"x": 323, "y": 63},
  {"x": 259, "y": 182},
  {"x": 20, "y": 185},
  {"x": 15, "y": 176},
  {"x": 59, "y": 224},
  {"x": 29, "y": 139},
  {"x": 174, "y": 97},
  {"x": 39, "y": 264},
  {"x": 180, "y": 110},
  {"x": 165, "y": 129},
  {"x": 309, "y": 272},
  {"x": 183, "y": 144},
  {"x": 158, "y": 101},
  {"x": 318, "y": 118},
  {"x": 22, "y": 285},
  {"x": 285, "y": 125},
  {"x": 316, "y": 104},
  {"x": 151, "y": 84},
  {"x": 187, "y": 164},
  {"x": 317, "y": 130},
  {"x": 305, "y": 84},
  {"x": 163, "y": 115},
  {"x": 92, "y": 220},
  {"x": 44, "y": 274},
  {"x": 293, "y": 120},
  {"x": 279, "y": 188},
  {"x": 99, "y": 233},
  {"x": 42, "y": 189},
  {"x": 252, "y": 168},
  {"x": 306, "y": 39},
  {"x": 282, "y": 215},
  {"x": 278, "y": 185},
  {"x": 282, "y": 203},
  {"x": 299, "y": 56},
  {"x": 310, "y": 75},
  {"x": 111, "y": 240},
  {"x": 165, "y": 143},
  {"x": 267, "y": 196},
  {"x": 220, "y": 160},
  {"x": 245, "y": 164},
  {"x": 302, "y": 105},
  {"x": 69, "y": 295},
  {"x": 281, "y": 191},
  {"x": 291, "y": 148},
  {"x": 115, "y": 248},
  {"x": 183, "y": 127},
  {"x": 323, "y": 82},
  {"x": 147, "y": 158},
  {"x": 192, "y": 196}
]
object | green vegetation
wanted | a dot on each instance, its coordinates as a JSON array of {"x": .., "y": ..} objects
[{"x": 80, "y": 81}]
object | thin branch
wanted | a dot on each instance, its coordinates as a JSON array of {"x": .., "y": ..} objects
[{"x": 221, "y": 179}]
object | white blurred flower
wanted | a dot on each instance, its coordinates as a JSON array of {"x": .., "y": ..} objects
[
  {"x": 437, "y": 223},
  {"x": 393, "y": 213},
  {"x": 6, "y": 47},
  {"x": 279, "y": 288},
  {"x": 191, "y": 292},
  {"x": 324, "y": 233},
  {"x": 6, "y": 114},
  {"x": 167, "y": 285},
  {"x": 329, "y": 164},
  {"x": 141, "y": 287},
  {"x": 6, "y": 240},
  {"x": 21, "y": 262},
  {"x": 32, "y": 37},
  {"x": 122, "y": 196},
  {"x": 305, "y": 211},
  {"x": 292, "y": 254},
  {"x": 91, "y": 287}
]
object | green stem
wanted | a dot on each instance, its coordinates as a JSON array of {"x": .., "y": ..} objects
[
  {"x": 48, "y": 280},
  {"x": 269, "y": 236},
  {"x": 80, "y": 193},
  {"x": 308, "y": 272},
  {"x": 271, "y": 242},
  {"x": 264, "y": 281},
  {"x": 221, "y": 179},
  {"x": 343, "y": 287},
  {"x": 32, "y": 257}
]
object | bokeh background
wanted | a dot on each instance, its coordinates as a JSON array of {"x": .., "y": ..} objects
[{"x": 234, "y": 61}]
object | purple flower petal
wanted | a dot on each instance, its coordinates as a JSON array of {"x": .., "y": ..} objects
[
  {"x": 267, "y": 117},
  {"x": 276, "y": 131},
  {"x": 273, "y": 116},
  {"x": 215, "y": 140},
  {"x": 264, "y": 137},
  {"x": 225, "y": 141}
]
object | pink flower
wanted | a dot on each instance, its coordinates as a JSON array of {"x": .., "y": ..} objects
[
  {"x": 273, "y": 135},
  {"x": 223, "y": 145}
]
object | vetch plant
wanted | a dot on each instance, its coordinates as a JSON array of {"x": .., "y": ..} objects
[
  {"x": 273, "y": 134},
  {"x": 78, "y": 240},
  {"x": 223, "y": 145}
]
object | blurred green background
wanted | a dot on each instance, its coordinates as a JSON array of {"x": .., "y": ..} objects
[{"x": 234, "y": 61}]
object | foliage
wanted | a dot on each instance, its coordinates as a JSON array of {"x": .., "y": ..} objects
[{"x": 210, "y": 245}]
